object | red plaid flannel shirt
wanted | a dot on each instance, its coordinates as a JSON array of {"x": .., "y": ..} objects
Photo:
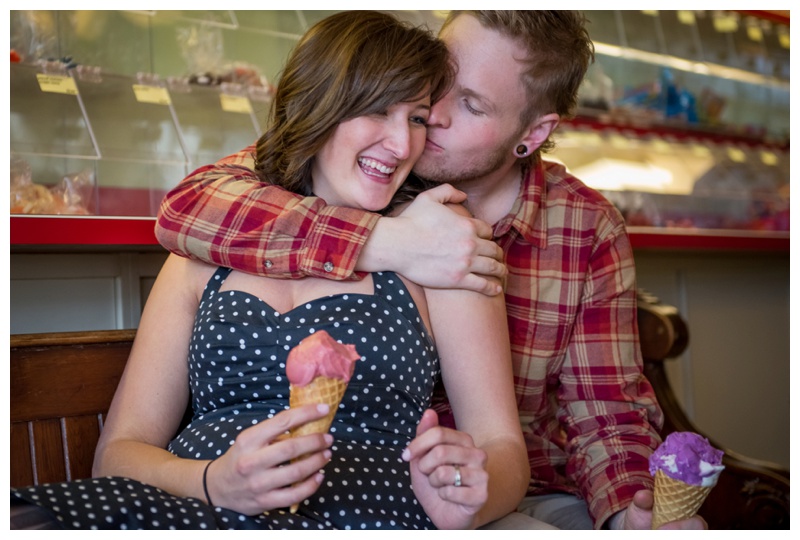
[{"x": 587, "y": 412}]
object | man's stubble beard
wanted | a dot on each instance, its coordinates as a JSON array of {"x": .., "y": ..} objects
[{"x": 441, "y": 171}]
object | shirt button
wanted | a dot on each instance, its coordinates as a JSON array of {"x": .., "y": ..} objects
[
  {"x": 267, "y": 264},
  {"x": 328, "y": 266}
]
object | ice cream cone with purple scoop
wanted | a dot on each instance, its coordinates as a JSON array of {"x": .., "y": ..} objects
[
  {"x": 319, "y": 369},
  {"x": 685, "y": 467}
]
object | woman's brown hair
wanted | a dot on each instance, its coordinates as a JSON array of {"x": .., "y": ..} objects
[{"x": 350, "y": 64}]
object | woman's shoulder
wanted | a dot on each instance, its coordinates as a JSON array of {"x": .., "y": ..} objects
[{"x": 184, "y": 272}]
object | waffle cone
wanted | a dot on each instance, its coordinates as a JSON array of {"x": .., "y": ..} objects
[
  {"x": 320, "y": 390},
  {"x": 675, "y": 500}
]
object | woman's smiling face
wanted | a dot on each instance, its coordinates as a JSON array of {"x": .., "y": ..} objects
[{"x": 368, "y": 157}]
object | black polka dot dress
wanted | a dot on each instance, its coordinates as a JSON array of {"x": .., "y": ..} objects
[{"x": 237, "y": 374}]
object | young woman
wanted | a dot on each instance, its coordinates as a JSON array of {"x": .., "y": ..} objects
[{"x": 349, "y": 122}]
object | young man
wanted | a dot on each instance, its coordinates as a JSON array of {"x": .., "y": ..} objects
[{"x": 587, "y": 412}]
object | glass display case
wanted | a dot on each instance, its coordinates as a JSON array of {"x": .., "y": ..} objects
[
  {"x": 132, "y": 137},
  {"x": 683, "y": 122},
  {"x": 683, "y": 125}
]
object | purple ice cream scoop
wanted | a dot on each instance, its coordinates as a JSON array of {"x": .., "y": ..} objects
[{"x": 688, "y": 457}]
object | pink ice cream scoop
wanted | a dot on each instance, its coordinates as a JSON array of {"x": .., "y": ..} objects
[
  {"x": 319, "y": 355},
  {"x": 688, "y": 457}
]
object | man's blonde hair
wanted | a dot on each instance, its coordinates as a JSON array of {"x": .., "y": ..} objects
[{"x": 559, "y": 54}]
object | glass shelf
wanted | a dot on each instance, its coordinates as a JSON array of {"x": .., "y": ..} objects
[
  {"x": 46, "y": 123},
  {"x": 715, "y": 39},
  {"x": 220, "y": 17},
  {"x": 209, "y": 131},
  {"x": 696, "y": 181},
  {"x": 133, "y": 146},
  {"x": 127, "y": 128}
]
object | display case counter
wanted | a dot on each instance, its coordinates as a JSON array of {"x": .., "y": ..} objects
[
  {"x": 650, "y": 238},
  {"x": 683, "y": 123},
  {"x": 86, "y": 142},
  {"x": 59, "y": 232}
]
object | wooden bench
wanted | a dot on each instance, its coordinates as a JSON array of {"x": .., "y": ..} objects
[
  {"x": 61, "y": 388},
  {"x": 62, "y": 385}
]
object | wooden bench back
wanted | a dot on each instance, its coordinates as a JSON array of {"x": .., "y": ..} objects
[{"x": 61, "y": 388}]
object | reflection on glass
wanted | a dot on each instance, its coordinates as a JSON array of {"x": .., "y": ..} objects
[
  {"x": 221, "y": 17},
  {"x": 603, "y": 28},
  {"x": 643, "y": 30},
  {"x": 690, "y": 185},
  {"x": 210, "y": 132},
  {"x": 717, "y": 38},
  {"x": 681, "y": 36},
  {"x": 127, "y": 128}
]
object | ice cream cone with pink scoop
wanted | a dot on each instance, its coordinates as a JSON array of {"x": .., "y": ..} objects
[
  {"x": 319, "y": 369},
  {"x": 685, "y": 467}
]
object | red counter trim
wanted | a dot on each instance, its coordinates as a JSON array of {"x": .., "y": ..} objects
[
  {"x": 769, "y": 15},
  {"x": 681, "y": 133},
  {"x": 109, "y": 231},
  {"x": 708, "y": 239},
  {"x": 84, "y": 230}
]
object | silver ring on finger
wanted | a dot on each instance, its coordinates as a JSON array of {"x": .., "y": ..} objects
[{"x": 457, "y": 480}]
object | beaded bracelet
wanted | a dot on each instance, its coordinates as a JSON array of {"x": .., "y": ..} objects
[{"x": 205, "y": 482}]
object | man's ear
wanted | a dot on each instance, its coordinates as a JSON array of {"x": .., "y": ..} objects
[{"x": 539, "y": 130}]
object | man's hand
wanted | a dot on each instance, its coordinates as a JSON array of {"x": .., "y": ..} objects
[
  {"x": 639, "y": 516},
  {"x": 436, "y": 246}
]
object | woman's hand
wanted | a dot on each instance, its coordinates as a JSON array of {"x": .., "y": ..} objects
[
  {"x": 256, "y": 475},
  {"x": 439, "y": 458}
]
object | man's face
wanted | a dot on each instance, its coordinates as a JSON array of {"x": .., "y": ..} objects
[{"x": 473, "y": 130}]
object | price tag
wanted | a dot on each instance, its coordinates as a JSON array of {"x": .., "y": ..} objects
[
  {"x": 660, "y": 145},
  {"x": 592, "y": 139},
  {"x": 235, "y": 104},
  {"x": 769, "y": 158},
  {"x": 651, "y": 12},
  {"x": 755, "y": 33},
  {"x": 783, "y": 39},
  {"x": 618, "y": 141},
  {"x": 700, "y": 151},
  {"x": 151, "y": 94},
  {"x": 737, "y": 155},
  {"x": 686, "y": 17},
  {"x": 725, "y": 24},
  {"x": 57, "y": 84}
]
